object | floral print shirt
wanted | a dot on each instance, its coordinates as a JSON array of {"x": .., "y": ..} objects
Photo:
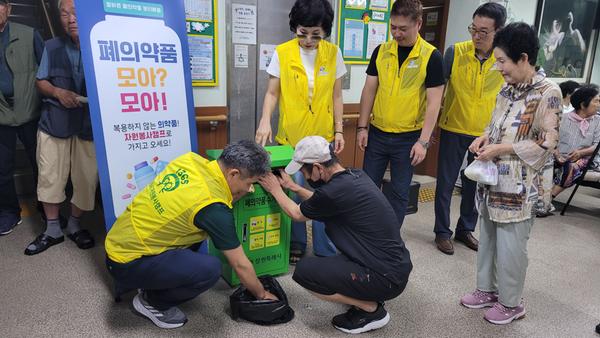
[{"x": 526, "y": 116}]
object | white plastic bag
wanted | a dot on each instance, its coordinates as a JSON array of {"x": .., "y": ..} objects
[{"x": 484, "y": 172}]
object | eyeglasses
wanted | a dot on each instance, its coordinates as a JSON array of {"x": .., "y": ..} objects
[
  {"x": 66, "y": 14},
  {"x": 315, "y": 38},
  {"x": 473, "y": 31}
]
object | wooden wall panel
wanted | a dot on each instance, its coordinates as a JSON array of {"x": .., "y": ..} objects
[{"x": 211, "y": 125}]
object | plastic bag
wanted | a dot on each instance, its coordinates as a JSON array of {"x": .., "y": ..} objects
[
  {"x": 484, "y": 172},
  {"x": 262, "y": 312}
]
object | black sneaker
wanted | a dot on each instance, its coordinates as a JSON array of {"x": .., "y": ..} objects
[
  {"x": 167, "y": 319},
  {"x": 356, "y": 320}
]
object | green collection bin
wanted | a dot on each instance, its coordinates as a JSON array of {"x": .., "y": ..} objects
[{"x": 262, "y": 226}]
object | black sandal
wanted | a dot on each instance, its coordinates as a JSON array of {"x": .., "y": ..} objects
[
  {"x": 82, "y": 238},
  {"x": 41, "y": 243}
]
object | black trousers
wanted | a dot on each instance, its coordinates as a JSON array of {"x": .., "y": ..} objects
[
  {"x": 27, "y": 133},
  {"x": 339, "y": 274}
]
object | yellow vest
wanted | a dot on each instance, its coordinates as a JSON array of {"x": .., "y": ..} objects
[
  {"x": 401, "y": 97},
  {"x": 297, "y": 117},
  {"x": 471, "y": 92},
  {"x": 161, "y": 216}
]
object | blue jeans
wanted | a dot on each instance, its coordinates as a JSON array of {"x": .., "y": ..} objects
[
  {"x": 322, "y": 245},
  {"x": 393, "y": 148},
  {"x": 170, "y": 278},
  {"x": 453, "y": 147}
]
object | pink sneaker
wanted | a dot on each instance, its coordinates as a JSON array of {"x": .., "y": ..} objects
[
  {"x": 500, "y": 314},
  {"x": 479, "y": 299}
]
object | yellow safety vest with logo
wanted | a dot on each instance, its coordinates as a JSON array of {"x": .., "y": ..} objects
[
  {"x": 471, "y": 93},
  {"x": 401, "y": 97},
  {"x": 298, "y": 117},
  {"x": 161, "y": 216}
]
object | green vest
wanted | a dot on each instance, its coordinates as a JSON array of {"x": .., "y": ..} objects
[{"x": 20, "y": 57}]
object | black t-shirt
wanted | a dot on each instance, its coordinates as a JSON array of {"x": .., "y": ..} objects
[
  {"x": 217, "y": 220},
  {"x": 361, "y": 223},
  {"x": 435, "y": 66}
]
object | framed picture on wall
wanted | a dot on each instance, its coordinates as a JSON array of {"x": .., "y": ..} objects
[{"x": 567, "y": 36}]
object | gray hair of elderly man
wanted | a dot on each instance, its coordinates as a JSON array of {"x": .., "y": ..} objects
[{"x": 248, "y": 157}]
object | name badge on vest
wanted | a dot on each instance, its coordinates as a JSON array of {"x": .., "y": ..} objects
[
  {"x": 323, "y": 71},
  {"x": 413, "y": 64}
]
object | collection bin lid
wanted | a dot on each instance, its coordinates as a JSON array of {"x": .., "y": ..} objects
[{"x": 280, "y": 155}]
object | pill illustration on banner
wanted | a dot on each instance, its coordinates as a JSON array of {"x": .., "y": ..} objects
[
  {"x": 126, "y": 196},
  {"x": 131, "y": 186}
]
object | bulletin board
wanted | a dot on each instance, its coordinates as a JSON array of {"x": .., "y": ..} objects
[
  {"x": 362, "y": 26},
  {"x": 202, "y": 32}
]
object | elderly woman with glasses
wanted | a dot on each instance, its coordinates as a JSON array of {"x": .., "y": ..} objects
[{"x": 305, "y": 77}]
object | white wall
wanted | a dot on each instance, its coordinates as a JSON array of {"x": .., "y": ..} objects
[
  {"x": 216, "y": 96},
  {"x": 357, "y": 81}
]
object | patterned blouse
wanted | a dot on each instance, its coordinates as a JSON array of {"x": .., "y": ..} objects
[{"x": 526, "y": 116}]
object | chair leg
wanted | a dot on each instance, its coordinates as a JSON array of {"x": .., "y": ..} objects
[{"x": 562, "y": 213}]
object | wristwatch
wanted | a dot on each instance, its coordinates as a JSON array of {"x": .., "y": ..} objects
[{"x": 425, "y": 144}]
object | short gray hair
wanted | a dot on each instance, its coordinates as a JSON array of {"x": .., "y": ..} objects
[{"x": 248, "y": 157}]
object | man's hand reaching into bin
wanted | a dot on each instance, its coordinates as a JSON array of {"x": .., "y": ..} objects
[
  {"x": 282, "y": 179},
  {"x": 270, "y": 183},
  {"x": 273, "y": 185},
  {"x": 286, "y": 180}
]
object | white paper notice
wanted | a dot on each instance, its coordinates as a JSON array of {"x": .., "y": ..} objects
[
  {"x": 429, "y": 36},
  {"x": 379, "y": 4},
  {"x": 356, "y": 4},
  {"x": 198, "y": 9},
  {"x": 432, "y": 18},
  {"x": 201, "y": 52},
  {"x": 241, "y": 56},
  {"x": 377, "y": 35},
  {"x": 243, "y": 25},
  {"x": 378, "y": 16},
  {"x": 266, "y": 54},
  {"x": 354, "y": 38}
]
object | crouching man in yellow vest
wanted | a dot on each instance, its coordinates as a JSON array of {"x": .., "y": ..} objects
[
  {"x": 473, "y": 84},
  {"x": 403, "y": 90},
  {"x": 153, "y": 245}
]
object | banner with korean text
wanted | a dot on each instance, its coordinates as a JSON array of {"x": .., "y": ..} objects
[{"x": 137, "y": 72}]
